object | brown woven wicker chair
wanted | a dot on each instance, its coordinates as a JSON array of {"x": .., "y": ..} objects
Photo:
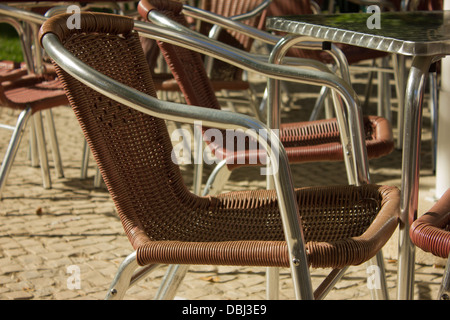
[
  {"x": 304, "y": 141},
  {"x": 431, "y": 233},
  {"x": 30, "y": 94},
  {"x": 164, "y": 221}
]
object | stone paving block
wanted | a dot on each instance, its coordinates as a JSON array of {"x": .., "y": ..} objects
[
  {"x": 66, "y": 295},
  {"x": 10, "y": 268},
  {"x": 17, "y": 295}
]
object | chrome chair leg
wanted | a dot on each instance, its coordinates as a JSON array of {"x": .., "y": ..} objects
[
  {"x": 377, "y": 278},
  {"x": 198, "y": 159},
  {"x": 98, "y": 179},
  {"x": 13, "y": 147},
  {"x": 85, "y": 160},
  {"x": 54, "y": 143},
  {"x": 272, "y": 283},
  {"x": 444, "y": 290},
  {"x": 369, "y": 86},
  {"x": 318, "y": 106},
  {"x": 40, "y": 137},
  {"x": 387, "y": 110},
  {"x": 434, "y": 115},
  {"x": 171, "y": 282},
  {"x": 122, "y": 280},
  {"x": 399, "y": 77},
  {"x": 410, "y": 173},
  {"x": 34, "y": 154},
  {"x": 328, "y": 283},
  {"x": 251, "y": 94}
]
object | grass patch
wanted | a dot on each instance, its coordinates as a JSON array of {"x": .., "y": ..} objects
[{"x": 10, "y": 48}]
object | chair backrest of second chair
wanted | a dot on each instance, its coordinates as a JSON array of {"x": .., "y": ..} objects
[
  {"x": 186, "y": 65},
  {"x": 229, "y": 8}
]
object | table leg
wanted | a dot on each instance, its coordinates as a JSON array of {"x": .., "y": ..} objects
[{"x": 410, "y": 172}]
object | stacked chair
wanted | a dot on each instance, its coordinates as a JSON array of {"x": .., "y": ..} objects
[
  {"x": 32, "y": 89},
  {"x": 109, "y": 86}
]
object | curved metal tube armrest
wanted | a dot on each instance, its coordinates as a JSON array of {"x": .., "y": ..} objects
[
  {"x": 22, "y": 15},
  {"x": 24, "y": 41},
  {"x": 252, "y": 13},
  {"x": 229, "y": 23},
  {"x": 225, "y": 120},
  {"x": 261, "y": 35}
]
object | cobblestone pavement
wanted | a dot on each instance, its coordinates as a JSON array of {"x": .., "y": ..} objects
[{"x": 48, "y": 237}]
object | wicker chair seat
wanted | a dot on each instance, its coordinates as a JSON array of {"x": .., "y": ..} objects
[
  {"x": 33, "y": 91},
  {"x": 342, "y": 226},
  {"x": 304, "y": 142},
  {"x": 19, "y": 89},
  {"x": 10, "y": 70},
  {"x": 431, "y": 231}
]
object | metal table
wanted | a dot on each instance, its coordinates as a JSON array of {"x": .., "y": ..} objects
[{"x": 424, "y": 36}]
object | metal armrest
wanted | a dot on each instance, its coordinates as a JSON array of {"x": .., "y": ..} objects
[
  {"x": 22, "y": 15},
  {"x": 214, "y": 118},
  {"x": 12, "y": 17}
]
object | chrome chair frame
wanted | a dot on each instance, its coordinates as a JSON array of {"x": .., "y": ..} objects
[
  {"x": 219, "y": 119},
  {"x": 228, "y": 54},
  {"x": 357, "y": 155}
]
